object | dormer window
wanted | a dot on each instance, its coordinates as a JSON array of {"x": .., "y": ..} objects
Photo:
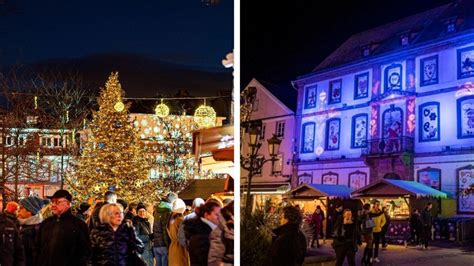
[
  {"x": 451, "y": 27},
  {"x": 404, "y": 40},
  {"x": 31, "y": 120},
  {"x": 366, "y": 51}
]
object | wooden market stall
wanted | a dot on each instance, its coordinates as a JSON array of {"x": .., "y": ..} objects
[
  {"x": 308, "y": 196},
  {"x": 400, "y": 197}
]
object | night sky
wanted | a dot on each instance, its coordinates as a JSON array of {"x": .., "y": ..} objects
[
  {"x": 285, "y": 40},
  {"x": 179, "y": 35}
]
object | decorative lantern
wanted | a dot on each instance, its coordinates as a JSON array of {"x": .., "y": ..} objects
[
  {"x": 205, "y": 116},
  {"x": 162, "y": 110},
  {"x": 119, "y": 106}
]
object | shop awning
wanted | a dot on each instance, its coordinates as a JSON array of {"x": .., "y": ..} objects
[
  {"x": 319, "y": 190},
  {"x": 266, "y": 187},
  {"x": 204, "y": 188},
  {"x": 390, "y": 188}
]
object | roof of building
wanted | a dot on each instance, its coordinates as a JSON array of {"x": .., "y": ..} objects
[
  {"x": 283, "y": 92},
  {"x": 324, "y": 190},
  {"x": 422, "y": 27},
  {"x": 392, "y": 187}
]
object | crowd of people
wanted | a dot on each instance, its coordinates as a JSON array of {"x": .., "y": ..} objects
[
  {"x": 349, "y": 231},
  {"x": 52, "y": 232}
]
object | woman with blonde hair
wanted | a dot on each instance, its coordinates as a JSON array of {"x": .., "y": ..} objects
[
  {"x": 114, "y": 242},
  {"x": 177, "y": 254}
]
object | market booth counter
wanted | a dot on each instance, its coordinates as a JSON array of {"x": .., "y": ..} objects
[
  {"x": 308, "y": 196},
  {"x": 400, "y": 197}
]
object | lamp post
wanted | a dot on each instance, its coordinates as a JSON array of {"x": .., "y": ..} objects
[{"x": 254, "y": 162}]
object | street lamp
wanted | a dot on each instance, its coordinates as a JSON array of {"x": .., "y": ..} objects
[{"x": 254, "y": 162}]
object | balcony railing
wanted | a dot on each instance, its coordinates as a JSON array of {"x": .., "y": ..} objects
[{"x": 388, "y": 146}]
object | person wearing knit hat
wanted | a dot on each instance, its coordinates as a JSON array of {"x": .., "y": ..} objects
[
  {"x": 30, "y": 218},
  {"x": 83, "y": 212},
  {"x": 178, "y": 206},
  {"x": 11, "y": 211},
  {"x": 178, "y": 255},
  {"x": 197, "y": 202},
  {"x": 31, "y": 204}
]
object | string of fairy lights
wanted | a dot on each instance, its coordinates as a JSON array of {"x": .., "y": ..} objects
[{"x": 204, "y": 115}]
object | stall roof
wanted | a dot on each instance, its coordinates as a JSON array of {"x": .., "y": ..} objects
[
  {"x": 320, "y": 190},
  {"x": 204, "y": 188},
  {"x": 391, "y": 187}
]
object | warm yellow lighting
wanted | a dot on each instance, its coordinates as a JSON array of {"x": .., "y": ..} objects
[
  {"x": 119, "y": 106},
  {"x": 205, "y": 116},
  {"x": 162, "y": 110}
]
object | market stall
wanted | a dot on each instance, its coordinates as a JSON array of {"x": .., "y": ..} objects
[
  {"x": 400, "y": 197},
  {"x": 308, "y": 196}
]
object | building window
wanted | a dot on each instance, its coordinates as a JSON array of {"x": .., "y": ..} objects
[
  {"x": 333, "y": 129},
  {"x": 32, "y": 120},
  {"x": 450, "y": 27},
  {"x": 366, "y": 51},
  {"x": 305, "y": 178},
  {"x": 465, "y": 106},
  {"x": 393, "y": 77},
  {"x": 307, "y": 138},
  {"x": 465, "y": 199},
  {"x": 429, "y": 122},
  {"x": 430, "y": 177},
  {"x": 21, "y": 141},
  {"x": 277, "y": 166},
  {"x": 330, "y": 178},
  {"x": 466, "y": 62},
  {"x": 335, "y": 91},
  {"x": 280, "y": 129},
  {"x": 361, "y": 86},
  {"x": 392, "y": 125},
  {"x": 359, "y": 131},
  {"x": 310, "y": 97},
  {"x": 429, "y": 70},
  {"x": 262, "y": 132},
  {"x": 404, "y": 40},
  {"x": 9, "y": 141},
  {"x": 357, "y": 179}
]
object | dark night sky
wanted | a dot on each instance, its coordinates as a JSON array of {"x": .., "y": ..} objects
[
  {"x": 180, "y": 32},
  {"x": 295, "y": 36}
]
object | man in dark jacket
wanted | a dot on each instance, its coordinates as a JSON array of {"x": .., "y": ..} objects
[
  {"x": 11, "y": 249},
  {"x": 63, "y": 239},
  {"x": 289, "y": 243},
  {"x": 427, "y": 223}
]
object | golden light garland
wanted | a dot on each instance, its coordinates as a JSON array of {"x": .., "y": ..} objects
[
  {"x": 205, "y": 116},
  {"x": 162, "y": 110}
]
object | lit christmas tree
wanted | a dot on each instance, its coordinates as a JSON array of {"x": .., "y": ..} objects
[{"x": 114, "y": 157}]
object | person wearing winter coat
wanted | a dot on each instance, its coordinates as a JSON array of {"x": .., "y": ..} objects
[
  {"x": 221, "y": 251},
  {"x": 415, "y": 228},
  {"x": 197, "y": 202},
  {"x": 377, "y": 229},
  {"x": 426, "y": 223},
  {"x": 177, "y": 254},
  {"x": 83, "y": 211},
  {"x": 289, "y": 243},
  {"x": 63, "y": 239},
  {"x": 317, "y": 223},
  {"x": 144, "y": 233},
  {"x": 11, "y": 211},
  {"x": 113, "y": 242},
  {"x": 198, "y": 231},
  {"x": 30, "y": 219},
  {"x": 346, "y": 238},
  {"x": 161, "y": 239},
  {"x": 11, "y": 248}
]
